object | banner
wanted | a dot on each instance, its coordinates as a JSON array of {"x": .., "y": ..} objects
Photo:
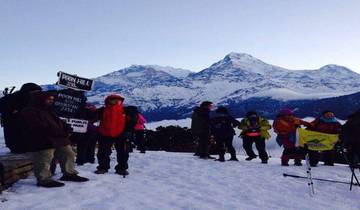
[
  {"x": 74, "y": 82},
  {"x": 317, "y": 141}
]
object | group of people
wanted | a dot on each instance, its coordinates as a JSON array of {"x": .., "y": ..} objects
[
  {"x": 255, "y": 130},
  {"x": 31, "y": 125},
  {"x": 220, "y": 126}
]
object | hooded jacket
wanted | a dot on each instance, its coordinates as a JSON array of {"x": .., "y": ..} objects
[
  {"x": 263, "y": 127},
  {"x": 222, "y": 125},
  {"x": 200, "y": 122},
  {"x": 42, "y": 129},
  {"x": 112, "y": 118}
]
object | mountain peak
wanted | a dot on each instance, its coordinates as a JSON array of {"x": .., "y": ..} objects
[
  {"x": 336, "y": 69},
  {"x": 236, "y": 56}
]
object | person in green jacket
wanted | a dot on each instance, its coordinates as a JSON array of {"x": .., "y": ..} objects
[{"x": 255, "y": 129}]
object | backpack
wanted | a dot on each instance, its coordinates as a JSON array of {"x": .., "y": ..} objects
[{"x": 131, "y": 113}]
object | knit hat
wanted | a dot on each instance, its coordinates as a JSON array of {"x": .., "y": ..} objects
[{"x": 286, "y": 111}]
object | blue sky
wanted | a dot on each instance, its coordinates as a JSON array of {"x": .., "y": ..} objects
[{"x": 91, "y": 38}]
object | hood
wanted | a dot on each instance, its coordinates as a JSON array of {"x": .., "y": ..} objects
[
  {"x": 28, "y": 87},
  {"x": 111, "y": 97}
]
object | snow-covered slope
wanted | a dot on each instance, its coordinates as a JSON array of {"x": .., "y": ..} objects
[
  {"x": 180, "y": 181},
  {"x": 235, "y": 78}
]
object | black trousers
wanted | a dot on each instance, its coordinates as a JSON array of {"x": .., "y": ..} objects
[
  {"x": 104, "y": 152},
  {"x": 223, "y": 142},
  {"x": 86, "y": 143},
  {"x": 260, "y": 146},
  {"x": 327, "y": 156},
  {"x": 203, "y": 147},
  {"x": 140, "y": 140}
]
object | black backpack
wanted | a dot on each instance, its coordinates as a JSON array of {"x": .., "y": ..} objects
[{"x": 131, "y": 113}]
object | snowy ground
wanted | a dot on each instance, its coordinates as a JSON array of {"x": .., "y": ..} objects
[{"x": 161, "y": 180}]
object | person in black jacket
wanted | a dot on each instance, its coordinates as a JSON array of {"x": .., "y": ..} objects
[
  {"x": 222, "y": 127},
  {"x": 47, "y": 135},
  {"x": 200, "y": 128},
  {"x": 349, "y": 138}
]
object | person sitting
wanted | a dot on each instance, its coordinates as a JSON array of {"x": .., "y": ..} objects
[{"x": 46, "y": 135}]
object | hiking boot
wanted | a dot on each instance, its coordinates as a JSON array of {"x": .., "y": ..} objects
[
  {"x": 233, "y": 159},
  {"x": 264, "y": 161},
  {"x": 250, "y": 158},
  {"x": 122, "y": 172},
  {"x": 101, "y": 171},
  {"x": 328, "y": 164},
  {"x": 284, "y": 163},
  {"x": 298, "y": 163},
  {"x": 143, "y": 151},
  {"x": 221, "y": 159},
  {"x": 73, "y": 178},
  {"x": 50, "y": 184}
]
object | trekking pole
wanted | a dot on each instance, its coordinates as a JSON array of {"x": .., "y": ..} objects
[
  {"x": 309, "y": 176},
  {"x": 319, "y": 179}
]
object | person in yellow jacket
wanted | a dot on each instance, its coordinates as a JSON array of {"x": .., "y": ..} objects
[{"x": 255, "y": 130}]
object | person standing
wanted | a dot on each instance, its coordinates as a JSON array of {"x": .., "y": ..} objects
[
  {"x": 326, "y": 123},
  {"x": 285, "y": 126},
  {"x": 200, "y": 128},
  {"x": 46, "y": 135},
  {"x": 222, "y": 128},
  {"x": 86, "y": 142},
  {"x": 255, "y": 130},
  {"x": 111, "y": 129},
  {"x": 140, "y": 132}
]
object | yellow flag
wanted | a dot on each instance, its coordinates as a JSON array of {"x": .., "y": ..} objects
[{"x": 317, "y": 141}]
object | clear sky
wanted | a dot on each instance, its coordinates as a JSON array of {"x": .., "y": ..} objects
[{"x": 91, "y": 38}]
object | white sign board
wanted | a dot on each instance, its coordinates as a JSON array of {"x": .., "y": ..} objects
[{"x": 78, "y": 126}]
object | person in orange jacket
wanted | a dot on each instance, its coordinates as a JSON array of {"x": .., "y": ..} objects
[
  {"x": 111, "y": 129},
  {"x": 285, "y": 126}
]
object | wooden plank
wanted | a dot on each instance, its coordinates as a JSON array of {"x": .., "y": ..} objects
[{"x": 21, "y": 170}]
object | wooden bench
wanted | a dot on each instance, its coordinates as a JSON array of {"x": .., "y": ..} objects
[{"x": 14, "y": 167}]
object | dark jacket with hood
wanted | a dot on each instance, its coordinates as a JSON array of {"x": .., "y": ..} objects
[
  {"x": 42, "y": 128},
  {"x": 222, "y": 125},
  {"x": 200, "y": 122},
  {"x": 350, "y": 133}
]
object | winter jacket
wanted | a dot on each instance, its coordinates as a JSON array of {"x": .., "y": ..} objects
[
  {"x": 140, "y": 125},
  {"x": 320, "y": 125},
  {"x": 284, "y": 126},
  {"x": 350, "y": 133},
  {"x": 112, "y": 119},
  {"x": 262, "y": 126},
  {"x": 222, "y": 125},
  {"x": 42, "y": 129},
  {"x": 200, "y": 121}
]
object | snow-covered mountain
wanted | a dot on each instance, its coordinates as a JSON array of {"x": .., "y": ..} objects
[{"x": 235, "y": 78}]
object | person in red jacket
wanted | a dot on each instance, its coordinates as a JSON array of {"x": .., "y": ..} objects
[
  {"x": 111, "y": 129},
  {"x": 326, "y": 123},
  {"x": 285, "y": 126}
]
